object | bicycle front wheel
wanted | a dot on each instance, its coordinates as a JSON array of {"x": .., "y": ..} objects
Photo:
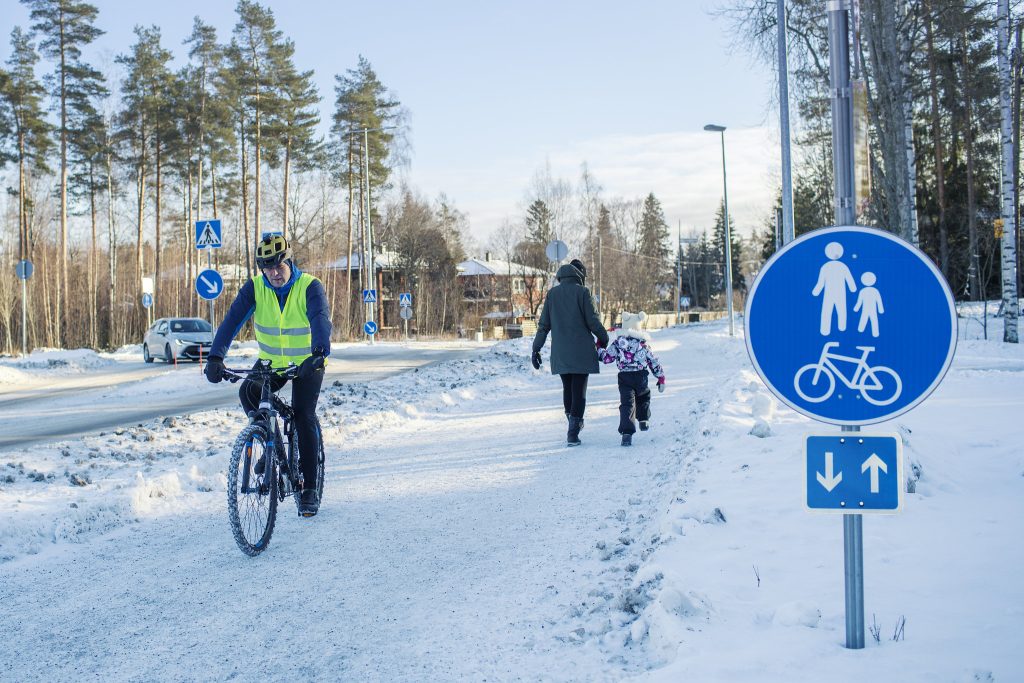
[
  {"x": 252, "y": 497},
  {"x": 814, "y": 383},
  {"x": 319, "y": 465}
]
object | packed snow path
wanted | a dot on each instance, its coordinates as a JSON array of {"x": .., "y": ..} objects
[{"x": 460, "y": 540}]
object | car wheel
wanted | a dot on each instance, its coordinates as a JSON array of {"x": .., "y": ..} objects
[
  {"x": 167, "y": 354},
  {"x": 145, "y": 354}
]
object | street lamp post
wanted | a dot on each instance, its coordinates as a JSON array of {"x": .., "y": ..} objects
[{"x": 712, "y": 128}]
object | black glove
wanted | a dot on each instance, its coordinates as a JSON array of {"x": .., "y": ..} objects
[
  {"x": 310, "y": 365},
  {"x": 214, "y": 369},
  {"x": 535, "y": 359}
]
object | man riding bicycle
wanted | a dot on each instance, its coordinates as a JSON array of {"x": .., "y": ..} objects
[{"x": 293, "y": 325}]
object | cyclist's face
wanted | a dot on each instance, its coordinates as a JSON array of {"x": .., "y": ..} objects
[{"x": 279, "y": 274}]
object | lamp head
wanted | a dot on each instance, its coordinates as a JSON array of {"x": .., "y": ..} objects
[{"x": 714, "y": 129}]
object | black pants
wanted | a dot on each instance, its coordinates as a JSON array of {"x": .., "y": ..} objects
[
  {"x": 305, "y": 393},
  {"x": 574, "y": 394},
  {"x": 634, "y": 400}
]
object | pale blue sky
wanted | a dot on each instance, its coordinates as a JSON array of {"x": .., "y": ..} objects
[{"x": 496, "y": 90}]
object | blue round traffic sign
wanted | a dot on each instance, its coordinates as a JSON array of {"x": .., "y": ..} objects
[
  {"x": 850, "y": 325},
  {"x": 209, "y": 284},
  {"x": 370, "y": 328},
  {"x": 147, "y": 300},
  {"x": 23, "y": 269}
]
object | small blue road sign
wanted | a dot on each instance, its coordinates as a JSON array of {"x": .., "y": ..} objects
[
  {"x": 23, "y": 269},
  {"x": 208, "y": 235},
  {"x": 209, "y": 284},
  {"x": 369, "y": 296},
  {"x": 854, "y": 473},
  {"x": 370, "y": 328},
  {"x": 850, "y": 325},
  {"x": 405, "y": 299},
  {"x": 147, "y": 300}
]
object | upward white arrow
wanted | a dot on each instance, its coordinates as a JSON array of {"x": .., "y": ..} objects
[
  {"x": 829, "y": 481},
  {"x": 212, "y": 286},
  {"x": 874, "y": 463}
]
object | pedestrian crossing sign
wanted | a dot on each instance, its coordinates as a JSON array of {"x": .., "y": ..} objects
[
  {"x": 405, "y": 299},
  {"x": 208, "y": 235},
  {"x": 369, "y": 296}
]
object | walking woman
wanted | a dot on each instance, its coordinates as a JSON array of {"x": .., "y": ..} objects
[{"x": 570, "y": 316}]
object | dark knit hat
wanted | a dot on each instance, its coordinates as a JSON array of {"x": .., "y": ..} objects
[{"x": 578, "y": 265}]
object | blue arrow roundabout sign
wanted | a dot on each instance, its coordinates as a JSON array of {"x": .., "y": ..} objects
[
  {"x": 850, "y": 325},
  {"x": 209, "y": 284}
]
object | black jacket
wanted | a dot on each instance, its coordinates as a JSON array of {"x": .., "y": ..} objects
[{"x": 570, "y": 316}]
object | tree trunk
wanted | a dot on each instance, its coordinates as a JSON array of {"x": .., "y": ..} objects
[
  {"x": 157, "y": 245},
  {"x": 1008, "y": 242},
  {"x": 940, "y": 167},
  {"x": 287, "y": 163},
  {"x": 111, "y": 249},
  {"x": 972, "y": 207},
  {"x": 62, "y": 285},
  {"x": 91, "y": 294}
]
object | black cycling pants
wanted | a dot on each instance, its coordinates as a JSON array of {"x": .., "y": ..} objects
[
  {"x": 305, "y": 393},
  {"x": 574, "y": 394}
]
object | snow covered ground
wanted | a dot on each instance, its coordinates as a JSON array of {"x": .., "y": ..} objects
[{"x": 460, "y": 540}]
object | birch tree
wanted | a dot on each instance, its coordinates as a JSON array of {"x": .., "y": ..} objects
[{"x": 1008, "y": 242}]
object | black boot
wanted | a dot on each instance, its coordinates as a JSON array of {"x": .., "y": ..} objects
[
  {"x": 575, "y": 425},
  {"x": 627, "y": 439},
  {"x": 309, "y": 504}
]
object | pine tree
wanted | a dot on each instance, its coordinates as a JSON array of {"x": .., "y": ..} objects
[
  {"x": 26, "y": 133},
  {"x": 66, "y": 26},
  {"x": 653, "y": 249},
  {"x": 718, "y": 247}
]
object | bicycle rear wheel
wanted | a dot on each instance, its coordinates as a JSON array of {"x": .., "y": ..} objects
[{"x": 252, "y": 498}]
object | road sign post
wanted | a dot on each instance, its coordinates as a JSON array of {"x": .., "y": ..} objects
[
  {"x": 406, "y": 314},
  {"x": 208, "y": 237},
  {"x": 851, "y": 326},
  {"x": 23, "y": 269}
]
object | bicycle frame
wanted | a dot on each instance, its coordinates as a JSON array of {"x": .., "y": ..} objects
[{"x": 827, "y": 360}]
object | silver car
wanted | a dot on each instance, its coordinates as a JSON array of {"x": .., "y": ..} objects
[{"x": 175, "y": 339}]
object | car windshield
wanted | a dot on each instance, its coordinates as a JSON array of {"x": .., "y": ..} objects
[{"x": 190, "y": 326}]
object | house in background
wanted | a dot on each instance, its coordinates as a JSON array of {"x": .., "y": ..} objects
[{"x": 501, "y": 294}]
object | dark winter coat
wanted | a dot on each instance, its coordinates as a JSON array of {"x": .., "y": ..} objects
[{"x": 570, "y": 317}]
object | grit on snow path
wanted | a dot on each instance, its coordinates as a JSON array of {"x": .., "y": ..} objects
[{"x": 463, "y": 542}]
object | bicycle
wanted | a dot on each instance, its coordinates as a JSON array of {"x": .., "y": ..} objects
[
  {"x": 253, "y": 497},
  {"x": 866, "y": 379}
]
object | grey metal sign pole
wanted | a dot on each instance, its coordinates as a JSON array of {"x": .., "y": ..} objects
[
  {"x": 24, "y": 317},
  {"x": 788, "y": 232},
  {"x": 842, "y": 164}
]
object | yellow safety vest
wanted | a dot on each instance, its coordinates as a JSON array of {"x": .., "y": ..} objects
[{"x": 283, "y": 336}]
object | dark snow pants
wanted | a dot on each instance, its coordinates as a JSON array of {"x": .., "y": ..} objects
[
  {"x": 574, "y": 394},
  {"x": 634, "y": 400},
  {"x": 305, "y": 393}
]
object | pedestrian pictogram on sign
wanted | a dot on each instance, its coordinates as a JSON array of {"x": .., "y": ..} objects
[
  {"x": 405, "y": 299},
  {"x": 208, "y": 235},
  {"x": 369, "y": 296}
]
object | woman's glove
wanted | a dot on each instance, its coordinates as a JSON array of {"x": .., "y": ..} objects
[
  {"x": 214, "y": 369},
  {"x": 661, "y": 385},
  {"x": 535, "y": 359}
]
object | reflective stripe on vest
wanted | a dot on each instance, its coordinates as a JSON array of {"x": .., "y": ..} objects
[{"x": 283, "y": 336}]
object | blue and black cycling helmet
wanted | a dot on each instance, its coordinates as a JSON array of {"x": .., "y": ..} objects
[{"x": 272, "y": 250}]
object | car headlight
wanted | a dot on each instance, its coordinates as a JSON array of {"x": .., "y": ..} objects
[{"x": 179, "y": 342}]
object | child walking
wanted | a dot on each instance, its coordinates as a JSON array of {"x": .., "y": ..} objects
[{"x": 631, "y": 353}]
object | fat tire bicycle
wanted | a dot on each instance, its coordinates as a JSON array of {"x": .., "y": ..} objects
[
  {"x": 253, "y": 497},
  {"x": 867, "y": 379}
]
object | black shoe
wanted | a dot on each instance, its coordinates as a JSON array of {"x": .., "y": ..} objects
[
  {"x": 643, "y": 424},
  {"x": 309, "y": 504},
  {"x": 573, "y": 437},
  {"x": 627, "y": 439}
]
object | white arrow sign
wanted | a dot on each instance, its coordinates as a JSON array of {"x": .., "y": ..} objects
[
  {"x": 212, "y": 287},
  {"x": 874, "y": 463},
  {"x": 829, "y": 481}
]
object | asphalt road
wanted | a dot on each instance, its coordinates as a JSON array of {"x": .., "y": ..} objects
[{"x": 73, "y": 407}]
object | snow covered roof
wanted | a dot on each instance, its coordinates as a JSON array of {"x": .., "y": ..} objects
[
  {"x": 385, "y": 260},
  {"x": 475, "y": 266}
]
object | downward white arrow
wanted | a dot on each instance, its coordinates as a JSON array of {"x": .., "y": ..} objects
[
  {"x": 829, "y": 481},
  {"x": 212, "y": 286},
  {"x": 874, "y": 463}
]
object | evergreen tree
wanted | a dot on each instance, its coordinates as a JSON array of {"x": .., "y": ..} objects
[
  {"x": 66, "y": 26},
  {"x": 654, "y": 267},
  {"x": 718, "y": 247},
  {"x": 538, "y": 223},
  {"x": 25, "y": 134}
]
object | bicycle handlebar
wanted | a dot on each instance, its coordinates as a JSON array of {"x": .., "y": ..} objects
[{"x": 235, "y": 374}]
